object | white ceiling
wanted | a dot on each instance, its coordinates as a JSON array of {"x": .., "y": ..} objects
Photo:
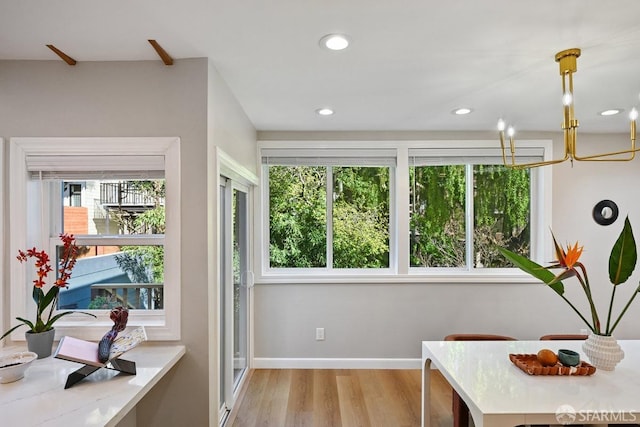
[{"x": 410, "y": 64}]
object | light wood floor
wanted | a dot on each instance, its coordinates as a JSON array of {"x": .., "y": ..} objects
[{"x": 338, "y": 398}]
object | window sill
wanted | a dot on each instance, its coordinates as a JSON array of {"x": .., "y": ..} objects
[
  {"x": 487, "y": 276},
  {"x": 86, "y": 328}
]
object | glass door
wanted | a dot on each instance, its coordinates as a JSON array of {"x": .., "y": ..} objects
[
  {"x": 234, "y": 292},
  {"x": 224, "y": 409},
  {"x": 240, "y": 286}
]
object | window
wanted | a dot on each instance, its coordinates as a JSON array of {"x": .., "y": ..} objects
[
  {"x": 120, "y": 230},
  {"x": 300, "y": 214},
  {"x": 461, "y": 214},
  {"x": 464, "y": 204},
  {"x": 406, "y": 209},
  {"x": 297, "y": 216},
  {"x": 328, "y": 212},
  {"x": 120, "y": 198},
  {"x": 72, "y": 194}
]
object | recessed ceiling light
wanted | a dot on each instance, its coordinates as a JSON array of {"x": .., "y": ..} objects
[
  {"x": 324, "y": 111},
  {"x": 461, "y": 111},
  {"x": 334, "y": 41},
  {"x": 611, "y": 112}
]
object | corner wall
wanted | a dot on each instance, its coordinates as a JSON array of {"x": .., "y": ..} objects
[
  {"x": 229, "y": 131},
  {"x": 388, "y": 321},
  {"x": 140, "y": 98}
]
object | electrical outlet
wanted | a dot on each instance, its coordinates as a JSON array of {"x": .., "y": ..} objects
[{"x": 319, "y": 334}]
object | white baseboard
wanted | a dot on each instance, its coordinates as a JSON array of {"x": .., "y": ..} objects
[{"x": 291, "y": 363}]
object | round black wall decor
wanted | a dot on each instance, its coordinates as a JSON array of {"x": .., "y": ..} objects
[{"x": 605, "y": 212}]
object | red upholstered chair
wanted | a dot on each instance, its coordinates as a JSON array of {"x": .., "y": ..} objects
[
  {"x": 563, "y": 337},
  {"x": 460, "y": 409}
]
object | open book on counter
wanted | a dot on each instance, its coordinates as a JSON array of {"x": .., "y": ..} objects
[{"x": 82, "y": 351}]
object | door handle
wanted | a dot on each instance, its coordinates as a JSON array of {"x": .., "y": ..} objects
[{"x": 247, "y": 280}]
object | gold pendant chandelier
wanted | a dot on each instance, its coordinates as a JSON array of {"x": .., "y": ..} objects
[{"x": 568, "y": 65}]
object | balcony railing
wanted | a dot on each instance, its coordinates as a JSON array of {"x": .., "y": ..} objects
[
  {"x": 135, "y": 296},
  {"x": 124, "y": 194}
]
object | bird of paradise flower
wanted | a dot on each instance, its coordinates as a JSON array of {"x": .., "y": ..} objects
[{"x": 622, "y": 262}]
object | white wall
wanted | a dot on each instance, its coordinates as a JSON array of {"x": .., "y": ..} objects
[
  {"x": 576, "y": 190},
  {"x": 231, "y": 132},
  {"x": 229, "y": 127},
  {"x": 144, "y": 98},
  {"x": 390, "y": 320}
]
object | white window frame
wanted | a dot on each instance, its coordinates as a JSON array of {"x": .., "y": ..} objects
[
  {"x": 399, "y": 271},
  {"x": 159, "y": 324},
  {"x": 322, "y": 152},
  {"x": 467, "y": 155}
]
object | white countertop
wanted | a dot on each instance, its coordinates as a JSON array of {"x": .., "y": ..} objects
[
  {"x": 499, "y": 394},
  {"x": 101, "y": 399}
]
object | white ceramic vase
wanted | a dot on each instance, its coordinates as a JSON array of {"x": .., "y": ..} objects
[{"x": 603, "y": 351}]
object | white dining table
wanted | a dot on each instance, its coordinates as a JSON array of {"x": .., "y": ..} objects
[{"x": 498, "y": 393}]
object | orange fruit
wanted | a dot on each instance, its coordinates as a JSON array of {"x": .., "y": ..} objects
[{"x": 547, "y": 357}]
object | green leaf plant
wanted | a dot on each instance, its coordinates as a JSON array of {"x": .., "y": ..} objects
[
  {"x": 622, "y": 262},
  {"x": 46, "y": 303}
]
